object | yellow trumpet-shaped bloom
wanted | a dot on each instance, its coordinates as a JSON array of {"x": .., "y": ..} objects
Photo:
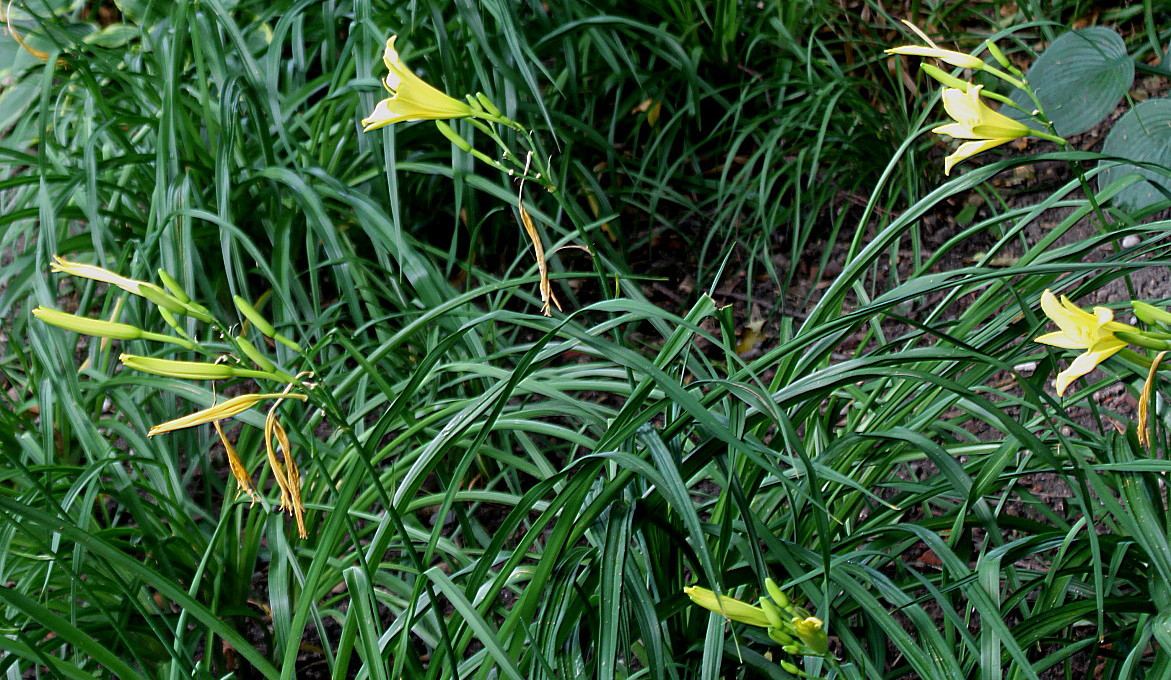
[
  {"x": 149, "y": 291},
  {"x": 89, "y": 271},
  {"x": 1081, "y": 330},
  {"x": 935, "y": 51},
  {"x": 977, "y": 121},
  {"x": 728, "y": 607},
  {"x": 412, "y": 98},
  {"x": 811, "y": 632},
  {"x": 226, "y": 409}
]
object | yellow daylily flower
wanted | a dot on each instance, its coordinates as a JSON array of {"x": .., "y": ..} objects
[
  {"x": 728, "y": 607},
  {"x": 150, "y": 291},
  {"x": 951, "y": 57},
  {"x": 1081, "y": 330},
  {"x": 225, "y": 409},
  {"x": 811, "y": 632},
  {"x": 975, "y": 120},
  {"x": 411, "y": 97},
  {"x": 89, "y": 271},
  {"x": 935, "y": 51}
]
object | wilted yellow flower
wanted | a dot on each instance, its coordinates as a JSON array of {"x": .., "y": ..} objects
[
  {"x": 728, "y": 607},
  {"x": 226, "y": 409},
  {"x": 977, "y": 121},
  {"x": 235, "y": 464},
  {"x": 286, "y": 474},
  {"x": 411, "y": 97},
  {"x": 932, "y": 50},
  {"x": 1081, "y": 330}
]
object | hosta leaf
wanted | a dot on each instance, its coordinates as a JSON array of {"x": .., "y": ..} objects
[
  {"x": 1143, "y": 134},
  {"x": 1079, "y": 79}
]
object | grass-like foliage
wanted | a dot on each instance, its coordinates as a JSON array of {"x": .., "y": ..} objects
[{"x": 489, "y": 491}]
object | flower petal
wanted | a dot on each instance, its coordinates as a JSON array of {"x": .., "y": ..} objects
[
  {"x": 1059, "y": 339},
  {"x": 967, "y": 150},
  {"x": 412, "y": 97},
  {"x": 951, "y": 57}
]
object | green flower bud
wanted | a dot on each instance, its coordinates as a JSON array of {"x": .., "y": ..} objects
[
  {"x": 773, "y": 613},
  {"x": 997, "y": 54},
  {"x": 254, "y": 316},
  {"x": 287, "y": 342},
  {"x": 728, "y": 607},
  {"x": 791, "y": 667},
  {"x": 1148, "y": 313},
  {"x": 187, "y": 370},
  {"x": 487, "y": 104},
  {"x": 1143, "y": 340},
  {"x": 104, "y": 329},
  {"x": 255, "y": 355},
  {"x": 453, "y": 136},
  {"x": 173, "y": 286},
  {"x": 262, "y": 361},
  {"x": 161, "y": 298},
  {"x": 88, "y": 326},
  {"x": 944, "y": 77},
  {"x": 775, "y": 592}
]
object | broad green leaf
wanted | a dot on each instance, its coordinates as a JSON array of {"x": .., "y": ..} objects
[
  {"x": 1142, "y": 135},
  {"x": 1078, "y": 79}
]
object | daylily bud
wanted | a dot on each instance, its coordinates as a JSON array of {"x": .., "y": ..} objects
[
  {"x": 773, "y": 613},
  {"x": 775, "y": 592},
  {"x": 173, "y": 286},
  {"x": 197, "y": 370},
  {"x": 89, "y": 271},
  {"x": 453, "y": 136},
  {"x": 104, "y": 329},
  {"x": 790, "y": 667},
  {"x": 161, "y": 298},
  {"x": 287, "y": 342},
  {"x": 944, "y": 77},
  {"x": 1148, "y": 313},
  {"x": 728, "y": 607},
  {"x": 88, "y": 326},
  {"x": 186, "y": 370},
  {"x": 779, "y": 636},
  {"x": 997, "y": 54},
  {"x": 1145, "y": 341},
  {"x": 487, "y": 104},
  {"x": 262, "y": 361},
  {"x": 255, "y": 355},
  {"x": 254, "y": 316}
]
